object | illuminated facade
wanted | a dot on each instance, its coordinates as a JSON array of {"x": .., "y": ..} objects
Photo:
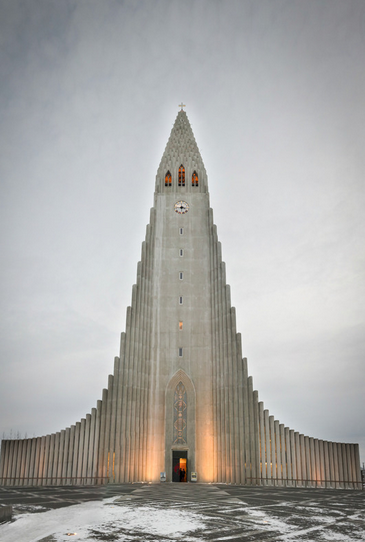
[{"x": 180, "y": 400}]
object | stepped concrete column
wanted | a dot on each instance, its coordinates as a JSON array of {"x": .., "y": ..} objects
[
  {"x": 55, "y": 458},
  {"x": 65, "y": 455},
  {"x": 41, "y": 461},
  {"x": 14, "y": 465},
  {"x": 4, "y": 462},
  {"x": 71, "y": 454},
  {"x": 267, "y": 447},
  {"x": 335, "y": 463},
  {"x": 272, "y": 450},
  {"x": 32, "y": 473},
  {"x": 86, "y": 450},
  {"x": 321, "y": 460},
  {"x": 257, "y": 472},
  {"x": 331, "y": 464},
  {"x": 293, "y": 455},
  {"x": 349, "y": 466},
  {"x": 340, "y": 465},
  {"x": 282, "y": 454},
  {"x": 76, "y": 453},
  {"x": 326, "y": 464},
  {"x": 308, "y": 460},
  {"x": 345, "y": 465},
  {"x": 297, "y": 458},
  {"x": 278, "y": 454},
  {"x": 289, "y": 472}
]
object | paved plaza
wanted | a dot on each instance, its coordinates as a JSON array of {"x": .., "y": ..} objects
[{"x": 215, "y": 512}]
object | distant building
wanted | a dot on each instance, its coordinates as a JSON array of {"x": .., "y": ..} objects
[{"x": 180, "y": 401}]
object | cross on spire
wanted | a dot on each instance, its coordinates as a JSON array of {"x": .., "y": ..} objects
[{"x": 182, "y": 106}]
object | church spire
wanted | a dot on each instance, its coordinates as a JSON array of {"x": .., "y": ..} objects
[{"x": 181, "y": 156}]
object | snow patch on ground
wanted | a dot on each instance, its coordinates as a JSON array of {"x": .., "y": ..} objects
[
  {"x": 338, "y": 537},
  {"x": 268, "y": 522},
  {"x": 119, "y": 520},
  {"x": 100, "y": 520},
  {"x": 319, "y": 525}
]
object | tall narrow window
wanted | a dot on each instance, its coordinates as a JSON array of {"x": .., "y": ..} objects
[
  {"x": 168, "y": 179},
  {"x": 194, "y": 179},
  {"x": 181, "y": 252},
  {"x": 180, "y": 325},
  {"x": 180, "y": 411},
  {"x": 181, "y": 175},
  {"x": 181, "y": 275},
  {"x": 180, "y": 300},
  {"x": 181, "y": 231},
  {"x": 180, "y": 352}
]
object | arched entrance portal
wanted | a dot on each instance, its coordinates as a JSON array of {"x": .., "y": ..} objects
[
  {"x": 180, "y": 428},
  {"x": 179, "y": 466}
]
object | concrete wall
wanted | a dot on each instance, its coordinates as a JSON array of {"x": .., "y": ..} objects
[
  {"x": 305, "y": 461},
  {"x": 63, "y": 458}
]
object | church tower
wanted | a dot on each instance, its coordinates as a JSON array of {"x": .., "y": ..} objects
[
  {"x": 180, "y": 401},
  {"x": 180, "y": 377}
]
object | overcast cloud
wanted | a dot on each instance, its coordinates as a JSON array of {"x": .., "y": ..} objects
[{"x": 275, "y": 93}]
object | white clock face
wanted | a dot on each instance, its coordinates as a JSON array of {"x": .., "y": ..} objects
[{"x": 181, "y": 207}]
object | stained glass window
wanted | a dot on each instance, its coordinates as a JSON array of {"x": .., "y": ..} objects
[
  {"x": 180, "y": 414},
  {"x": 168, "y": 179},
  {"x": 181, "y": 175}
]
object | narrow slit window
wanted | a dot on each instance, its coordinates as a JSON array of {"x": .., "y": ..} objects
[
  {"x": 181, "y": 175},
  {"x": 181, "y": 275},
  {"x": 194, "y": 179},
  {"x": 180, "y": 300},
  {"x": 168, "y": 179},
  {"x": 181, "y": 252},
  {"x": 180, "y": 352},
  {"x": 181, "y": 231},
  {"x": 180, "y": 325}
]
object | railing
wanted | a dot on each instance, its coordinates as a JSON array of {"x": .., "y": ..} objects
[
  {"x": 53, "y": 481},
  {"x": 301, "y": 482},
  {"x": 255, "y": 481}
]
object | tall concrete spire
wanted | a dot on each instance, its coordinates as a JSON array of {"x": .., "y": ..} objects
[{"x": 181, "y": 149}]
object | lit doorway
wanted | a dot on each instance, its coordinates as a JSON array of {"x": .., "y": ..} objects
[{"x": 179, "y": 466}]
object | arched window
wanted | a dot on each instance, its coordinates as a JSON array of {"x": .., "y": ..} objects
[
  {"x": 168, "y": 179},
  {"x": 180, "y": 419},
  {"x": 181, "y": 175},
  {"x": 194, "y": 179}
]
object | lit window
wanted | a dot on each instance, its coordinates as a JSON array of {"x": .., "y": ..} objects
[
  {"x": 180, "y": 275},
  {"x": 168, "y": 179},
  {"x": 181, "y": 252},
  {"x": 181, "y": 175},
  {"x": 180, "y": 325},
  {"x": 180, "y": 300},
  {"x": 180, "y": 352},
  {"x": 194, "y": 179}
]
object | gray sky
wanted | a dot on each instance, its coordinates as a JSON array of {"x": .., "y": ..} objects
[{"x": 275, "y": 93}]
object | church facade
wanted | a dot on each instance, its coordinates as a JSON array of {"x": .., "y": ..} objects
[{"x": 180, "y": 405}]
